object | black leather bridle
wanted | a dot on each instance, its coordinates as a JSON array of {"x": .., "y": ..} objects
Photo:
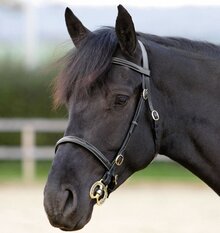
[{"x": 100, "y": 190}]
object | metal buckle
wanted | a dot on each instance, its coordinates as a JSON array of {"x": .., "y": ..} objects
[
  {"x": 145, "y": 93},
  {"x": 115, "y": 179},
  {"x": 119, "y": 160},
  {"x": 99, "y": 191},
  {"x": 155, "y": 115}
]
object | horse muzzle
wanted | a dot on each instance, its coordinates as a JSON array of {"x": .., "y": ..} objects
[{"x": 63, "y": 210}]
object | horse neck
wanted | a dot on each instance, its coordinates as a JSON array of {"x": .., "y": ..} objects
[{"x": 187, "y": 87}]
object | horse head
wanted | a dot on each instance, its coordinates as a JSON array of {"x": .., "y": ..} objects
[{"x": 105, "y": 86}]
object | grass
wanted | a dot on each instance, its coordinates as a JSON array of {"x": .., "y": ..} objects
[
  {"x": 164, "y": 171},
  {"x": 11, "y": 171}
]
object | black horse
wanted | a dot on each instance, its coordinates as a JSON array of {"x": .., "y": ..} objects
[{"x": 130, "y": 96}]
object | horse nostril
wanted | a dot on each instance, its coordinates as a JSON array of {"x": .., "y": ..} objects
[{"x": 70, "y": 202}]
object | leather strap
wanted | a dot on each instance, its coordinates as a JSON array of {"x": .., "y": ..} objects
[
  {"x": 130, "y": 65},
  {"x": 98, "y": 154},
  {"x": 133, "y": 125}
]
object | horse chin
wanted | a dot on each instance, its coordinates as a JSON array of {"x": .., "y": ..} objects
[
  {"x": 70, "y": 223},
  {"x": 75, "y": 227}
]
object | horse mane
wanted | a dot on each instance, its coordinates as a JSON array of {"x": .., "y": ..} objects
[
  {"x": 199, "y": 47},
  {"x": 85, "y": 67}
]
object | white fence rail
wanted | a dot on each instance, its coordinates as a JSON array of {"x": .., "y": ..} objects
[{"x": 28, "y": 152}]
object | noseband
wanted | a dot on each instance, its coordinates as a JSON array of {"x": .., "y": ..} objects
[{"x": 101, "y": 189}]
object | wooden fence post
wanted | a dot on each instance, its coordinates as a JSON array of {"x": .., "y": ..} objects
[{"x": 28, "y": 147}]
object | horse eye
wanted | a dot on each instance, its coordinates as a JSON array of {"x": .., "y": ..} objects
[{"x": 121, "y": 100}]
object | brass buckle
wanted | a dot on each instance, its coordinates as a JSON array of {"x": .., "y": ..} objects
[
  {"x": 119, "y": 160},
  {"x": 99, "y": 191}
]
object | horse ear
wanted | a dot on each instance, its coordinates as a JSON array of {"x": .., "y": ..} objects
[
  {"x": 76, "y": 29},
  {"x": 125, "y": 31}
]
